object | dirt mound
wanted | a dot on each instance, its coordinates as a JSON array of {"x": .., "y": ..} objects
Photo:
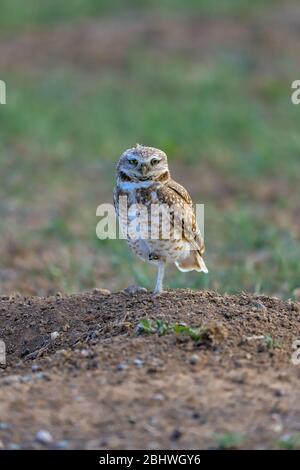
[{"x": 183, "y": 370}]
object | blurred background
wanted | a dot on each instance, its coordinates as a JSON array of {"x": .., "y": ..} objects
[{"x": 207, "y": 81}]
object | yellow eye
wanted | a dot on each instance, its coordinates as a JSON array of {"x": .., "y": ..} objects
[
  {"x": 155, "y": 161},
  {"x": 133, "y": 161}
]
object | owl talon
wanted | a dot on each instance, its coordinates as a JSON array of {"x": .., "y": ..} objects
[{"x": 157, "y": 293}]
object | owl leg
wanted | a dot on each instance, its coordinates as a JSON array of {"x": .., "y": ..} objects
[{"x": 160, "y": 276}]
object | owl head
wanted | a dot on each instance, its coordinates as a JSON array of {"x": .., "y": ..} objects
[{"x": 143, "y": 163}]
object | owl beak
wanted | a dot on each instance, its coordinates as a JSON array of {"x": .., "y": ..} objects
[{"x": 144, "y": 169}]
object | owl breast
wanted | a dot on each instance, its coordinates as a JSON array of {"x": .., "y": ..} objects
[{"x": 147, "y": 234}]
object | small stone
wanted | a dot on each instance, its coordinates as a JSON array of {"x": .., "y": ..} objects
[
  {"x": 276, "y": 424},
  {"x": 293, "y": 306},
  {"x": 259, "y": 306},
  {"x": 26, "y": 378},
  {"x": 35, "y": 368},
  {"x": 132, "y": 290},
  {"x": 10, "y": 379},
  {"x": 138, "y": 362},
  {"x": 85, "y": 353},
  {"x": 62, "y": 444},
  {"x": 54, "y": 335},
  {"x": 158, "y": 397},
  {"x": 13, "y": 446},
  {"x": 122, "y": 366},
  {"x": 176, "y": 434},
  {"x": 194, "y": 359},
  {"x": 42, "y": 375},
  {"x": 44, "y": 437},
  {"x": 4, "y": 426},
  {"x": 66, "y": 327},
  {"x": 153, "y": 445},
  {"x": 102, "y": 291}
]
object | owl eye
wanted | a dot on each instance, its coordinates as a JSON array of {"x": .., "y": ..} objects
[
  {"x": 133, "y": 161},
  {"x": 155, "y": 161}
]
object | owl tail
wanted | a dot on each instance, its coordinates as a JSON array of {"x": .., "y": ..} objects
[{"x": 193, "y": 262}]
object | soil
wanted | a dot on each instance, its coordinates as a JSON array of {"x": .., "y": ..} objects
[{"x": 102, "y": 383}]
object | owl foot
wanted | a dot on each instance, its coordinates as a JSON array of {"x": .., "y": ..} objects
[
  {"x": 156, "y": 293},
  {"x": 132, "y": 290}
]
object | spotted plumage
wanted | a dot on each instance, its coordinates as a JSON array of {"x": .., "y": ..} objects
[{"x": 156, "y": 213}]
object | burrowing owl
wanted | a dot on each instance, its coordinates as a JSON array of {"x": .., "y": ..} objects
[{"x": 156, "y": 214}]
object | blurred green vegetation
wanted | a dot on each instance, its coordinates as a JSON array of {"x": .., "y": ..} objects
[
  {"x": 223, "y": 119},
  {"x": 15, "y": 13}
]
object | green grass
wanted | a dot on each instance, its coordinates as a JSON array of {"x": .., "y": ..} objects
[
  {"x": 16, "y": 14},
  {"x": 64, "y": 127},
  {"x": 272, "y": 343},
  {"x": 147, "y": 326},
  {"x": 290, "y": 442},
  {"x": 229, "y": 440}
]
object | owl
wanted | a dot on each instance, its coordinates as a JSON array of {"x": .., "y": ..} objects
[{"x": 156, "y": 214}]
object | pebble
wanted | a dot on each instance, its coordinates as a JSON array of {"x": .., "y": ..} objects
[
  {"x": 85, "y": 353},
  {"x": 10, "y": 379},
  {"x": 176, "y": 434},
  {"x": 158, "y": 397},
  {"x": 54, "y": 335},
  {"x": 276, "y": 424},
  {"x": 102, "y": 291},
  {"x": 293, "y": 306},
  {"x": 153, "y": 445},
  {"x": 44, "y": 437},
  {"x": 13, "y": 446},
  {"x": 194, "y": 359},
  {"x": 132, "y": 290},
  {"x": 4, "y": 426},
  {"x": 138, "y": 362},
  {"x": 14, "y": 379},
  {"x": 62, "y": 444},
  {"x": 122, "y": 366},
  {"x": 259, "y": 306}
]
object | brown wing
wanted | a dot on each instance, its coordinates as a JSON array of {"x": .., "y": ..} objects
[
  {"x": 180, "y": 190},
  {"x": 172, "y": 193}
]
